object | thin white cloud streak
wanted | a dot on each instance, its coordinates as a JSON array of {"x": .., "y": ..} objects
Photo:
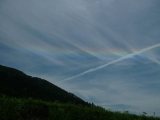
[
  {"x": 155, "y": 60},
  {"x": 112, "y": 62}
]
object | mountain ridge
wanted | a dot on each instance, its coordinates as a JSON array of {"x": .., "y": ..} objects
[{"x": 16, "y": 83}]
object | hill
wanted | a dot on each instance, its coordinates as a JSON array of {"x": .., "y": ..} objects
[
  {"x": 23, "y": 97},
  {"x": 17, "y": 84}
]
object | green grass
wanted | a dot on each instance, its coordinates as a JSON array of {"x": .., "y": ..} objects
[{"x": 29, "y": 109}]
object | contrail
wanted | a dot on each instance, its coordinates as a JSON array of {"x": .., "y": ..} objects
[{"x": 112, "y": 62}]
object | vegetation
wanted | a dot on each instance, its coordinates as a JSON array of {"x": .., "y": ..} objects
[
  {"x": 23, "y": 97},
  {"x": 30, "y": 109}
]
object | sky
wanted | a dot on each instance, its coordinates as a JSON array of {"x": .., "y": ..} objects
[{"x": 104, "y": 51}]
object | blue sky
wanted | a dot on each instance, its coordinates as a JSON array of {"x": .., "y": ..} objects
[{"x": 105, "y": 51}]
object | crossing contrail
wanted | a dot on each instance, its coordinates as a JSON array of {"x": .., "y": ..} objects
[{"x": 112, "y": 62}]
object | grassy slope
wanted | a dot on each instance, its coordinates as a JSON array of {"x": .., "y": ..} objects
[
  {"x": 22, "y": 104},
  {"x": 29, "y": 109}
]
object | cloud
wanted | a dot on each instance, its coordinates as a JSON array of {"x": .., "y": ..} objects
[
  {"x": 112, "y": 62},
  {"x": 59, "y": 39}
]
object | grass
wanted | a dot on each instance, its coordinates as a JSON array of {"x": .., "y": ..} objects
[{"x": 30, "y": 109}]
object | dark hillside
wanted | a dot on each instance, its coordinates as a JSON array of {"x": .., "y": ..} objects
[
  {"x": 17, "y": 84},
  {"x": 23, "y": 97}
]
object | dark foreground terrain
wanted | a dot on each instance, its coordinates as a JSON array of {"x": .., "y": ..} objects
[
  {"x": 23, "y": 97},
  {"x": 17, "y": 84},
  {"x": 29, "y": 109}
]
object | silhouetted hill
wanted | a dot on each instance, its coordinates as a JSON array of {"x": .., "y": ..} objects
[
  {"x": 14, "y": 83},
  {"x": 17, "y": 84}
]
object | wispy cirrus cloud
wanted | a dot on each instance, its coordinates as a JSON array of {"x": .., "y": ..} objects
[
  {"x": 114, "y": 62},
  {"x": 60, "y": 39}
]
